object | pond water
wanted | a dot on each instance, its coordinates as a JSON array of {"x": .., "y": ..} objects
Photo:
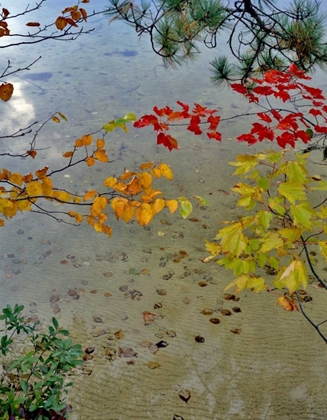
[{"x": 100, "y": 288}]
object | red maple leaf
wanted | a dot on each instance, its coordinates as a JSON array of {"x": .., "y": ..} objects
[
  {"x": 214, "y": 135},
  {"x": 194, "y": 125},
  {"x": 167, "y": 141}
]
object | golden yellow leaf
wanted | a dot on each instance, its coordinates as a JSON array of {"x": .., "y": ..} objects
[
  {"x": 172, "y": 205},
  {"x": 97, "y": 227},
  {"x": 55, "y": 119},
  {"x": 89, "y": 194},
  {"x": 8, "y": 207},
  {"x": 24, "y": 205},
  {"x": 122, "y": 208},
  {"x": 144, "y": 214},
  {"x": 16, "y": 178},
  {"x": 98, "y": 206},
  {"x": 101, "y": 155},
  {"x": 156, "y": 172},
  {"x": 2, "y": 222},
  {"x": 62, "y": 196},
  {"x": 145, "y": 180},
  {"x": 102, "y": 218},
  {"x": 120, "y": 186},
  {"x": 90, "y": 220},
  {"x": 165, "y": 171},
  {"x": 126, "y": 175},
  {"x": 158, "y": 205},
  {"x": 146, "y": 165},
  {"x": 77, "y": 199},
  {"x": 6, "y": 91},
  {"x": 78, "y": 216},
  {"x": 110, "y": 182},
  {"x": 90, "y": 161},
  {"x": 76, "y": 15},
  {"x": 68, "y": 154},
  {"x": 87, "y": 139},
  {"x": 47, "y": 188},
  {"x": 34, "y": 188},
  {"x": 100, "y": 143}
]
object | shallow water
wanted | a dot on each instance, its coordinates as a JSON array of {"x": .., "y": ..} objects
[{"x": 100, "y": 288}]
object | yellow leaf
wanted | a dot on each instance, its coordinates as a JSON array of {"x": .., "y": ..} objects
[
  {"x": 110, "y": 182},
  {"x": 233, "y": 239},
  {"x": 34, "y": 188},
  {"x": 90, "y": 220},
  {"x": 133, "y": 188},
  {"x": 78, "y": 216},
  {"x": 126, "y": 175},
  {"x": 213, "y": 248},
  {"x": 172, "y": 205},
  {"x": 55, "y": 119},
  {"x": 100, "y": 143},
  {"x": 89, "y": 194},
  {"x": 145, "y": 180},
  {"x": 62, "y": 196},
  {"x": 62, "y": 116},
  {"x": 90, "y": 161},
  {"x": 158, "y": 205},
  {"x": 98, "y": 206},
  {"x": 122, "y": 208},
  {"x": 256, "y": 284},
  {"x": 24, "y": 205},
  {"x": 16, "y": 178},
  {"x": 41, "y": 173},
  {"x": 101, "y": 155},
  {"x": 292, "y": 277},
  {"x": 144, "y": 214},
  {"x": 79, "y": 143},
  {"x": 47, "y": 188},
  {"x": 68, "y": 154},
  {"x": 156, "y": 172},
  {"x": 2, "y": 222},
  {"x": 146, "y": 165},
  {"x": 87, "y": 140},
  {"x": 165, "y": 171},
  {"x": 120, "y": 186}
]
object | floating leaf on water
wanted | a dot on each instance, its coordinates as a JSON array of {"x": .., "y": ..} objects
[
  {"x": 119, "y": 334},
  {"x": 199, "y": 339},
  {"x": 226, "y": 312},
  {"x": 207, "y": 312},
  {"x": 162, "y": 344},
  {"x": 145, "y": 343},
  {"x": 161, "y": 292},
  {"x": 161, "y": 233},
  {"x": 236, "y": 331},
  {"x": 63, "y": 262},
  {"x": 193, "y": 219},
  {"x": 186, "y": 300},
  {"x": 214, "y": 320},
  {"x": 89, "y": 350},
  {"x": 145, "y": 271},
  {"x": 203, "y": 283},
  {"x": 93, "y": 291},
  {"x": 97, "y": 319},
  {"x": 153, "y": 365},
  {"x": 184, "y": 395},
  {"x": 107, "y": 294}
]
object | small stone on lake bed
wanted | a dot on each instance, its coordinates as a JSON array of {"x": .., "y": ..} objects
[{"x": 214, "y": 320}]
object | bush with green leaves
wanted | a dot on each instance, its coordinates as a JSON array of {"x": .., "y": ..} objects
[{"x": 33, "y": 381}]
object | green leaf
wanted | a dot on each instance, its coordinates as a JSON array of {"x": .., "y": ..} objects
[
  {"x": 302, "y": 215},
  {"x": 292, "y": 191},
  {"x": 232, "y": 239},
  {"x": 256, "y": 284},
  {"x": 186, "y": 207},
  {"x": 55, "y": 323},
  {"x": 272, "y": 240},
  {"x": 292, "y": 277},
  {"x": 202, "y": 201}
]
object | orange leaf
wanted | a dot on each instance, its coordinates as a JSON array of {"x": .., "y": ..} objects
[
  {"x": 89, "y": 194},
  {"x": 79, "y": 143},
  {"x": 76, "y": 15},
  {"x": 107, "y": 230},
  {"x": 148, "y": 317},
  {"x": 126, "y": 175},
  {"x": 78, "y": 216},
  {"x": 287, "y": 304},
  {"x": 68, "y": 154},
  {"x": 101, "y": 155},
  {"x": 41, "y": 173},
  {"x": 146, "y": 165},
  {"x": 133, "y": 188},
  {"x": 100, "y": 143},
  {"x": 55, "y": 119},
  {"x": 60, "y": 23},
  {"x": 90, "y": 161},
  {"x": 5, "y": 12},
  {"x": 172, "y": 205},
  {"x": 145, "y": 180},
  {"x": 69, "y": 9},
  {"x": 98, "y": 206},
  {"x": 83, "y": 13},
  {"x": 31, "y": 153},
  {"x": 32, "y": 24},
  {"x": 87, "y": 140},
  {"x": 16, "y": 178},
  {"x": 6, "y": 91},
  {"x": 71, "y": 22},
  {"x": 27, "y": 178},
  {"x": 156, "y": 172},
  {"x": 2, "y": 222}
]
